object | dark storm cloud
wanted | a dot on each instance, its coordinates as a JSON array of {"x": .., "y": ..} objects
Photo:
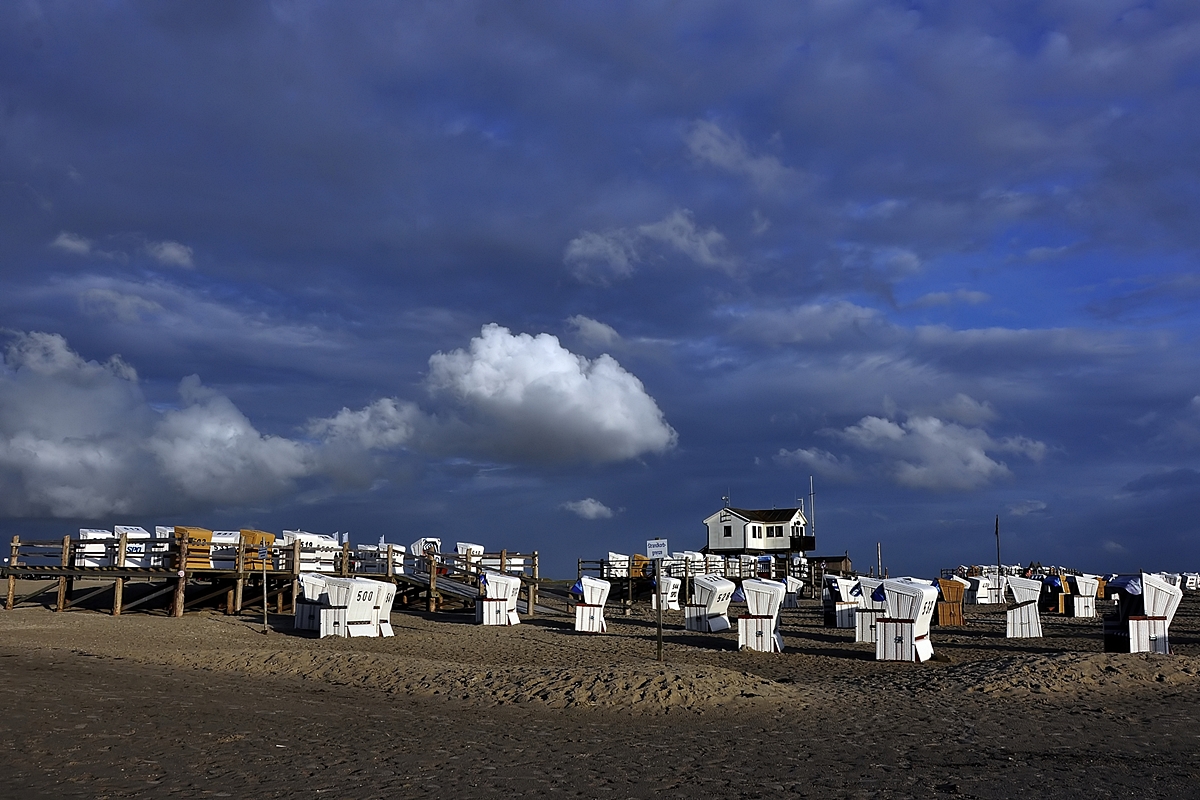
[{"x": 906, "y": 246}]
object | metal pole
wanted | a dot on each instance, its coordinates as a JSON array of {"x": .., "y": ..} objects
[
  {"x": 879, "y": 556},
  {"x": 999, "y": 585},
  {"x": 658, "y": 601}
]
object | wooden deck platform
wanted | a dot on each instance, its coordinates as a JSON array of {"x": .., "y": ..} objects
[{"x": 181, "y": 575}]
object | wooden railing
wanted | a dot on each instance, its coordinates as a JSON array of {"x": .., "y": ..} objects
[{"x": 120, "y": 558}]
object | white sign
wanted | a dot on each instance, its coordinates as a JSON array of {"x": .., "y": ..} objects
[{"x": 656, "y": 548}]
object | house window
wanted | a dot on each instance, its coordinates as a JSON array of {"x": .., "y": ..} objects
[
  {"x": 758, "y": 531},
  {"x": 728, "y": 534}
]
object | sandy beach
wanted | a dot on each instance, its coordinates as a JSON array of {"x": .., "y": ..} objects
[{"x": 209, "y": 705}]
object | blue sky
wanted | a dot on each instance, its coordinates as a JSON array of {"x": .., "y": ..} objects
[{"x": 560, "y": 276}]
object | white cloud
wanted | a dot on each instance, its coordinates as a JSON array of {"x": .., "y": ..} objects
[
  {"x": 72, "y": 243},
  {"x": 708, "y": 143},
  {"x": 1025, "y": 507},
  {"x": 69, "y": 431},
  {"x": 171, "y": 254},
  {"x": 588, "y": 508},
  {"x": 528, "y": 397},
  {"x": 212, "y": 453},
  {"x": 965, "y": 409},
  {"x": 385, "y": 424},
  {"x": 111, "y": 304},
  {"x": 808, "y": 324},
  {"x": 679, "y": 231},
  {"x": 822, "y": 462},
  {"x": 928, "y": 453},
  {"x": 78, "y": 438},
  {"x": 593, "y": 333},
  {"x": 602, "y": 257},
  {"x": 597, "y": 258}
]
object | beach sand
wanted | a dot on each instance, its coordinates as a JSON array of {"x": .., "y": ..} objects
[{"x": 209, "y": 705}]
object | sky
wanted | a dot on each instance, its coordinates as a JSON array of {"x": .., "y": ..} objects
[{"x": 561, "y": 276}]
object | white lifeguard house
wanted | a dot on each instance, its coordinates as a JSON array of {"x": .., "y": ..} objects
[{"x": 738, "y": 531}]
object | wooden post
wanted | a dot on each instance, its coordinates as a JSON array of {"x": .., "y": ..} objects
[
  {"x": 391, "y": 570},
  {"x": 265, "y": 603},
  {"x": 119, "y": 584},
  {"x": 431, "y": 602},
  {"x": 345, "y": 559},
  {"x": 658, "y": 601},
  {"x": 296, "y": 555},
  {"x": 181, "y": 583},
  {"x": 12, "y": 579},
  {"x": 533, "y": 587},
  {"x": 62, "y": 581},
  {"x": 504, "y": 560},
  {"x": 239, "y": 583}
]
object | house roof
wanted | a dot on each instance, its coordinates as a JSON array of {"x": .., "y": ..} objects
[{"x": 765, "y": 514}]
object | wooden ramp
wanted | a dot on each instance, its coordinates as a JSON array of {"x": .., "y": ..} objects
[{"x": 470, "y": 591}]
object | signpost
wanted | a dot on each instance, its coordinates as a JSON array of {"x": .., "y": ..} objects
[{"x": 657, "y": 550}]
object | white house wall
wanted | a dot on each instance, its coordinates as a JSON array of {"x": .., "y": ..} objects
[
  {"x": 741, "y": 538},
  {"x": 716, "y": 537}
]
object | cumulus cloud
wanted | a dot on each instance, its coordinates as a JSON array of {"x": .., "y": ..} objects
[
  {"x": 821, "y": 462},
  {"x": 171, "y": 254},
  {"x": 588, "y": 508},
  {"x": 212, "y": 453},
  {"x": 79, "y": 439},
  {"x": 709, "y": 144},
  {"x": 69, "y": 431},
  {"x": 72, "y": 243},
  {"x": 929, "y": 453},
  {"x": 602, "y": 257},
  {"x": 385, "y": 424},
  {"x": 594, "y": 333},
  {"x": 528, "y": 397}
]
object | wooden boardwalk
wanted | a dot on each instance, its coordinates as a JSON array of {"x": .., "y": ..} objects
[{"x": 190, "y": 571}]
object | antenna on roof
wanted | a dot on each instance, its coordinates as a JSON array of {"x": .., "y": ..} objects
[{"x": 812, "y": 507}]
